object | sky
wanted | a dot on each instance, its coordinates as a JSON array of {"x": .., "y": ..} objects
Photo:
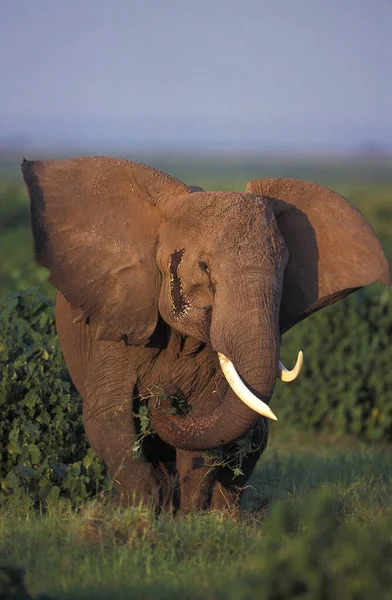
[{"x": 205, "y": 75}]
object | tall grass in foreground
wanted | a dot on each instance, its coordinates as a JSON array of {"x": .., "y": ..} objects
[{"x": 317, "y": 524}]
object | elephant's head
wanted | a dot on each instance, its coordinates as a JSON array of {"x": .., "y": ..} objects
[{"x": 125, "y": 242}]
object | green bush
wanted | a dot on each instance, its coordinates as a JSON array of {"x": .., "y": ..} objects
[
  {"x": 43, "y": 448},
  {"x": 346, "y": 382},
  {"x": 307, "y": 552}
]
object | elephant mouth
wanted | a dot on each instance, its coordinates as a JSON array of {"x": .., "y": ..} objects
[{"x": 244, "y": 394}]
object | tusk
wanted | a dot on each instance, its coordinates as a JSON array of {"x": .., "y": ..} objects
[
  {"x": 239, "y": 388},
  {"x": 286, "y": 375}
]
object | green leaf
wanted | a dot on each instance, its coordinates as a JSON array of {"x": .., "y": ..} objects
[
  {"x": 53, "y": 494},
  {"x": 87, "y": 461},
  {"x": 35, "y": 454},
  {"x": 31, "y": 399}
]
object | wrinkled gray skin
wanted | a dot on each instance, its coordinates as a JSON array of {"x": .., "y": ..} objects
[{"x": 155, "y": 278}]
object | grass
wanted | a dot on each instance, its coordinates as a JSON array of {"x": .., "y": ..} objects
[
  {"x": 295, "y": 465},
  {"x": 306, "y": 490}
]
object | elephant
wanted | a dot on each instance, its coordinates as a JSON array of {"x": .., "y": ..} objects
[{"x": 171, "y": 305}]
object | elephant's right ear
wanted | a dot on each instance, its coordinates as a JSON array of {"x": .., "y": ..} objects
[
  {"x": 332, "y": 248},
  {"x": 95, "y": 223}
]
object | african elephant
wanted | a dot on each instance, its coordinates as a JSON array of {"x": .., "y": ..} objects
[{"x": 161, "y": 286}]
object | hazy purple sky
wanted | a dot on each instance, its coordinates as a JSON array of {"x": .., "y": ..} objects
[{"x": 207, "y": 74}]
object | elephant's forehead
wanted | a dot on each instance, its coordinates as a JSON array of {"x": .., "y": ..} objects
[
  {"x": 222, "y": 222},
  {"x": 220, "y": 210}
]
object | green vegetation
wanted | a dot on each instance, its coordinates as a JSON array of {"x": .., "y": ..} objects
[
  {"x": 18, "y": 269},
  {"x": 318, "y": 525},
  {"x": 346, "y": 382},
  {"x": 317, "y": 512},
  {"x": 43, "y": 448}
]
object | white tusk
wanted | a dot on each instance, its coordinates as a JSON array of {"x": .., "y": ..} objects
[
  {"x": 286, "y": 375},
  {"x": 239, "y": 388}
]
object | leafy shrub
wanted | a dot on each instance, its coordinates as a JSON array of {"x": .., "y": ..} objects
[
  {"x": 43, "y": 448},
  {"x": 307, "y": 552},
  {"x": 346, "y": 382}
]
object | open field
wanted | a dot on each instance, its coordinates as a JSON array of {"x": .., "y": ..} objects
[
  {"x": 317, "y": 524},
  {"x": 317, "y": 516}
]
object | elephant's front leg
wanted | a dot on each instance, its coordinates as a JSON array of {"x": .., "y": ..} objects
[
  {"x": 208, "y": 482},
  {"x": 204, "y": 485},
  {"x": 228, "y": 491},
  {"x": 110, "y": 427},
  {"x": 229, "y": 486},
  {"x": 196, "y": 479}
]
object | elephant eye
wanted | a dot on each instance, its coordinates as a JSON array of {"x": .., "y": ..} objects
[{"x": 204, "y": 267}]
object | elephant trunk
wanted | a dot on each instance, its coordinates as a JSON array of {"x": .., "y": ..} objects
[{"x": 251, "y": 343}]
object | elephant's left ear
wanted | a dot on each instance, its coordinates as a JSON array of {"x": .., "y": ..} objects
[
  {"x": 333, "y": 250},
  {"x": 95, "y": 222}
]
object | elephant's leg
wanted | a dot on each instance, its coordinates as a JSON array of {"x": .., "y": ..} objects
[
  {"x": 196, "y": 479},
  {"x": 110, "y": 427},
  {"x": 136, "y": 480},
  {"x": 227, "y": 491},
  {"x": 204, "y": 486},
  {"x": 102, "y": 372}
]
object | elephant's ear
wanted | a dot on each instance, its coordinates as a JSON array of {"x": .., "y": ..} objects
[
  {"x": 95, "y": 223},
  {"x": 332, "y": 248}
]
